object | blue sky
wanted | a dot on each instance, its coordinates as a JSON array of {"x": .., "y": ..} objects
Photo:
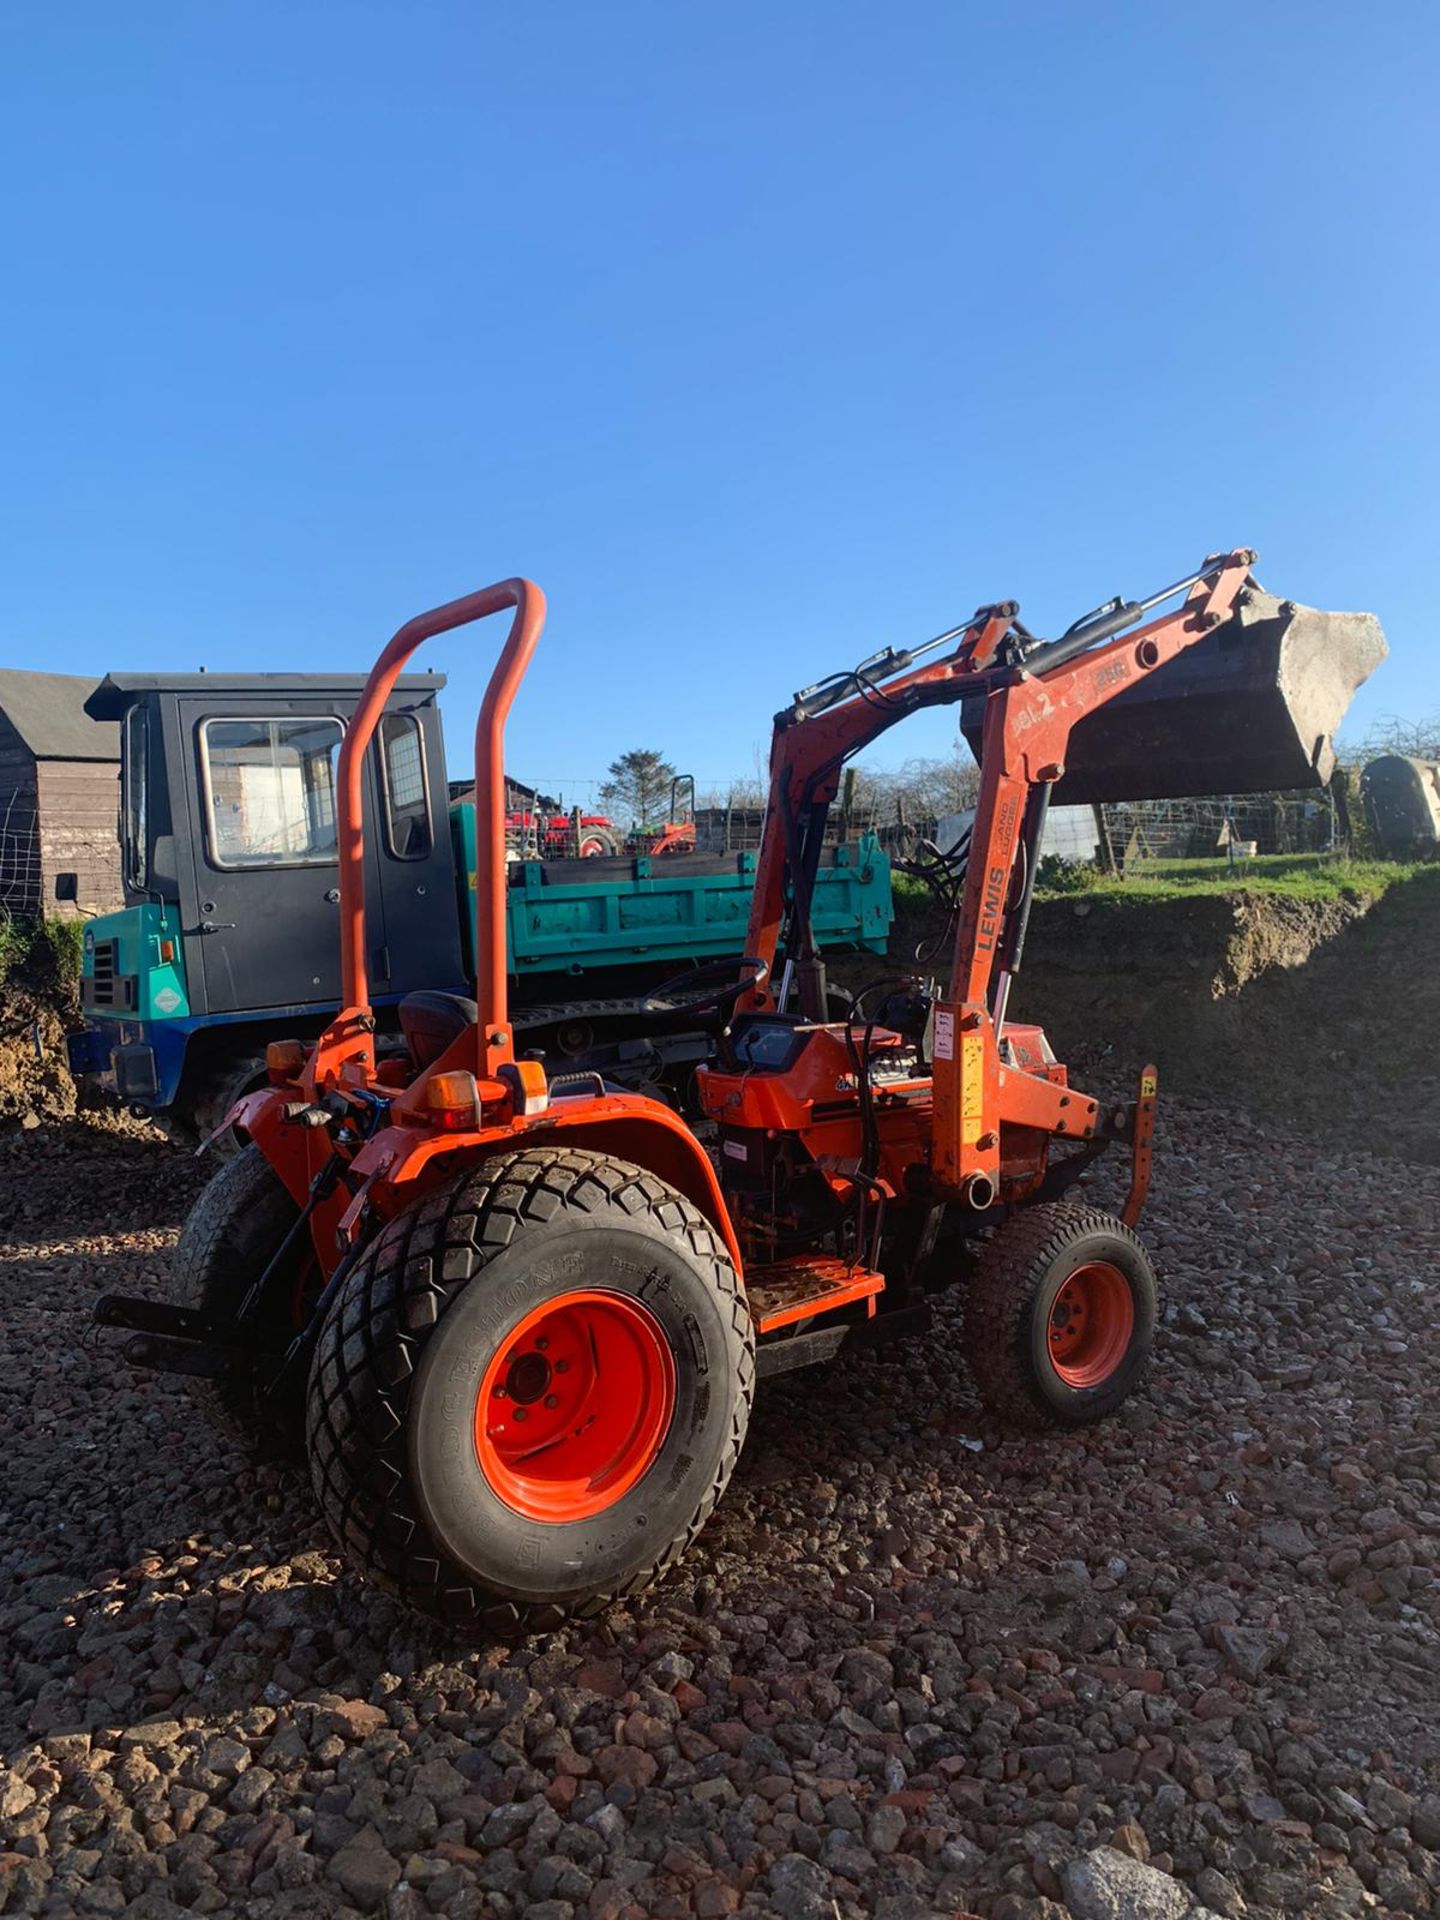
[{"x": 760, "y": 335}]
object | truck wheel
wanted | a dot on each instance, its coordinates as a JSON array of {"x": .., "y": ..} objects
[
  {"x": 531, "y": 1391},
  {"x": 225, "y": 1082},
  {"x": 1059, "y": 1316},
  {"x": 237, "y": 1223}
]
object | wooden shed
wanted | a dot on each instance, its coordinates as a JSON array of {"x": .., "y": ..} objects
[{"x": 59, "y": 795}]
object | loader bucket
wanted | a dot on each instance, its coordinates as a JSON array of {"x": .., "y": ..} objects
[{"x": 1253, "y": 708}]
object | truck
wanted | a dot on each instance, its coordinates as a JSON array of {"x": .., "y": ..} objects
[{"x": 228, "y": 937}]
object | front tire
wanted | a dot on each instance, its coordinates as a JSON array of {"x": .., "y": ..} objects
[
  {"x": 531, "y": 1392},
  {"x": 1059, "y": 1316},
  {"x": 233, "y": 1232}
]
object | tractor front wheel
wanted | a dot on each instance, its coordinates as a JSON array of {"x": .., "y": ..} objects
[
  {"x": 531, "y": 1391},
  {"x": 236, "y": 1228},
  {"x": 1059, "y": 1316}
]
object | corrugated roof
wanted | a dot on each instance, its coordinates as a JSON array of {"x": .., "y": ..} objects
[{"x": 47, "y": 710}]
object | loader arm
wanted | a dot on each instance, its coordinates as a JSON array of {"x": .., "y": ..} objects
[{"x": 1035, "y": 694}]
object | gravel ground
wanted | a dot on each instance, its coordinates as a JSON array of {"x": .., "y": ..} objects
[{"x": 916, "y": 1666}]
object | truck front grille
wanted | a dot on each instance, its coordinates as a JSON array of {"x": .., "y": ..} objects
[
  {"x": 105, "y": 986},
  {"x": 102, "y": 983}
]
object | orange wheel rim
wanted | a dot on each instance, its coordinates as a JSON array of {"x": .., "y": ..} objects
[
  {"x": 1092, "y": 1321},
  {"x": 575, "y": 1406}
]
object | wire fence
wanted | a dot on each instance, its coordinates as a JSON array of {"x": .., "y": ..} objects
[
  {"x": 1134, "y": 838},
  {"x": 1129, "y": 838},
  {"x": 1124, "y": 837},
  {"x": 21, "y": 878},
  {"x": 731, "y": 829},
  {"x": 1141, "y": 835}
]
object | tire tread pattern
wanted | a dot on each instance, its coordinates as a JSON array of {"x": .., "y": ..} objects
[
  {"x": 999, "y": 1302},
  {"x": 374, "y": 1334},
  {"x": 233, "y": 1230}
]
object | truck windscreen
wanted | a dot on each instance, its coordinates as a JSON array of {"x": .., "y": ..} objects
[{"x": 270, "y": 790}]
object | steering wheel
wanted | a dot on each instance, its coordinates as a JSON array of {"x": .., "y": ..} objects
[{"x": 709, "y": 988}]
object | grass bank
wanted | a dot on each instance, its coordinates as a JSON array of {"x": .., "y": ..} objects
[{"x": 1300, "y": 876}]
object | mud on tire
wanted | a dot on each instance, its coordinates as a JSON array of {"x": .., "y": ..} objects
[
  {"x": 1059, "y": 1316},
  {"x": 423, "y": 1330}
]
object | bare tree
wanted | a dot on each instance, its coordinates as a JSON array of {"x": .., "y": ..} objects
[
  {"x": 738, "y": 793},
  {"x": 921, "y": 789},
  {"x": 1418, "y": 739}
]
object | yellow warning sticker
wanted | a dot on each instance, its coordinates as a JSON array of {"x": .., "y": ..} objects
[
  {"x": 1147, "y": 1086},
  {"x": 972, "y": 1085}
]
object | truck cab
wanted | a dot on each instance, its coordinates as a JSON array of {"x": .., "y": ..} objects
[{"x": 229, "y": 860}]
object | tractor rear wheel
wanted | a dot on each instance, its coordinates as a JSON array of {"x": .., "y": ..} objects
[
  {"x": 531, "y": 1391},
  {"x": 1060, "y": 1315},
  {"x": 598, "y": 843},
  {"x": 233, "y": 1232}
]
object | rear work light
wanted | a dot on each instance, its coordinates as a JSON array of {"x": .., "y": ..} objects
[
  {"x": 284, "y": 1060},
  {"x": 453, "y": 1101},
  {"x": 528, "y": 1086}
]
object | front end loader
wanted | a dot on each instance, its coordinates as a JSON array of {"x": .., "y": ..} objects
[{"x": 519, "y": 1315}]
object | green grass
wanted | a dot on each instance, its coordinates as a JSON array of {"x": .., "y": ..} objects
[
  {"x": 44, "y": 952},
  {"x": 1296, "y": 876},
  {"x": 1299, "y": 876}
]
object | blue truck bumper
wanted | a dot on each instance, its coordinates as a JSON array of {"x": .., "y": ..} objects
[
  {"x": 138, "y": 1061},
  {"x": 87, "y": 1051}
]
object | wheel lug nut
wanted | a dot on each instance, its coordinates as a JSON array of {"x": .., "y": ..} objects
[
  {"x": 562, "y": 1366},
  {"x": 500, "y": 1391},
  {"x": 521, "y": 1414},
  {"x": 542, "y": 1344},
  {"x": 551, "y": 1401}
]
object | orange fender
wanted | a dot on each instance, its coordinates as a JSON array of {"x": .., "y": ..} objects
[{"x": 625, "y": 1126}]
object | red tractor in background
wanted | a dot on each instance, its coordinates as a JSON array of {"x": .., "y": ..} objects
[
  {"x": 531, "y": 835},
  {"x": 521, "y": 1314}
]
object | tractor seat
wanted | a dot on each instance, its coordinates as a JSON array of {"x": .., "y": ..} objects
[{"x": 430, "y": 1021}]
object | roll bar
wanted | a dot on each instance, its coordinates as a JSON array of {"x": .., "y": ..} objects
[{"x": 490, "y": 982}]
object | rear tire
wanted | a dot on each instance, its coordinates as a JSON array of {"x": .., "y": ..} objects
[
  {"x": 229, "y": 1239},
  {"x": 1059, "y": 1316},
  {"x": 441, "y": 1343}
]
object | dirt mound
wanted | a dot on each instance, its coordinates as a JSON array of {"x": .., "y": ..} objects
[
  {"x": 1317, "y": 1013},
  {"x": 1320, "y": 1013},
  {"x": 35, "y": 1083}
]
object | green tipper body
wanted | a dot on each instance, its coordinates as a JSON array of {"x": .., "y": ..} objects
[
  {"x": 123, "y": 972},
  {"x": 572, "y": 916}
]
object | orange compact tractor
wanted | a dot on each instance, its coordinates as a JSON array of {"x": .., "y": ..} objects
[{"x": 520, "y": 1316}]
